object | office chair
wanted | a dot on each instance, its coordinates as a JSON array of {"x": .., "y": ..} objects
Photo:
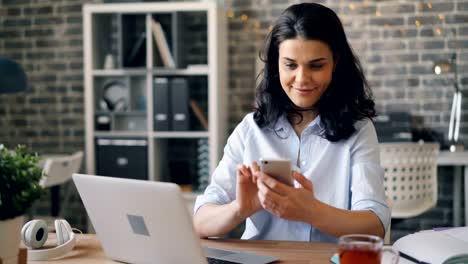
[
  {"x": 410, "y": 177},
  {"x": 388, "y": 236},
  {"x": 59, "y": 170}
]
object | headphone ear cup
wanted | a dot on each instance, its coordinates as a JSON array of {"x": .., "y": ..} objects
[
  {"x": 34, "y": 233},
  {"x": 63, "y": 231},
  {"x": 120, "y": 105},
  {"x": 109, "y": 105},
  {"x": 23, "y": 233}
]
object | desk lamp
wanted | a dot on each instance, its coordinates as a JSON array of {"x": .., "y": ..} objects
[
  {"x": 447, "y": 66},
  {"x": 12, "y": 77}
]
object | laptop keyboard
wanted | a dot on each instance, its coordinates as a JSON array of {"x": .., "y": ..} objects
[{"x": 219, "y": 261}]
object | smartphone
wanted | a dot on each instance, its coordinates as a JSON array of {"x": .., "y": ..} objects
[{"x": 280, "y": 169}]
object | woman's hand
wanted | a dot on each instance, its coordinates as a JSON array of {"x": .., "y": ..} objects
[
  {"x": 285, "y": 201},
  {"x": 246, "y": 193}
]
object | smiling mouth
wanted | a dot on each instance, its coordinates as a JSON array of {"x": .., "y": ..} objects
[{"x": 300, "y": 90}]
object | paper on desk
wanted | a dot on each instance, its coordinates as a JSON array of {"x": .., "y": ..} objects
[
  {"x": 435, "y": 246},
  {"x": 458, "y": 232}
]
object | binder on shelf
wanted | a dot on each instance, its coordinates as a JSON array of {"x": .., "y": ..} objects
[
  {"x": 161, "y": 44},
  {"x": 161, "y": 104},
  {"x": 179, "y": 103},
  {"x": 199, "y": 113}
]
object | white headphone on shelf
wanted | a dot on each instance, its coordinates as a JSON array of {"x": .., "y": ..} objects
[{"x": 34, "y": 235}]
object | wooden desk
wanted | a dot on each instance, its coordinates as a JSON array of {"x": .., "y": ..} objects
[
  {"x": 460, "y": 161},
  {"x": 88, "y": 250}
]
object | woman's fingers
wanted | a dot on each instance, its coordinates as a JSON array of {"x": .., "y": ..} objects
[
  {"x": 255, "y": 169},
  {"x": 274, "y": 184},
  {"x": 243, "y": 172},
  {"x": 303, "y": 180},
  {"x": 268, "y": 198}
]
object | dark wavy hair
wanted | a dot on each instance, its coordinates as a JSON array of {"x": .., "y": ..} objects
[{"x": 348, "y": 97}]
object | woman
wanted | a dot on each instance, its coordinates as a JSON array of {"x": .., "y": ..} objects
[{"x": 313, "y": 107}]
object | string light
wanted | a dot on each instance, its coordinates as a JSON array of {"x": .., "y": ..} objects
[
  {"x": 344, "y": 19},
  {"x": 255, "y": 25},
  {"x": 251, "y": 25}
]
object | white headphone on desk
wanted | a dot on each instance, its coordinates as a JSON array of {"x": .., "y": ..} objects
[{"x": 34, "y": 234}]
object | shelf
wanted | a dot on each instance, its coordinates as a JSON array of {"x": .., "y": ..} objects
[
  {"x": 121, "y": 72},
  {"x": 130, "y": 8},
  {"x": 124, "y": 35},
  {"x": 181, "y": 134},
  {"x": 130, "y": 113},
  {"x": 124, "y": 113},
  {"x": 199, "y": 70},
  {"x": 117, "y": 134}
]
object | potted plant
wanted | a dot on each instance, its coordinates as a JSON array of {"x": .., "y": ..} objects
[{"x": 19, "y": 188}]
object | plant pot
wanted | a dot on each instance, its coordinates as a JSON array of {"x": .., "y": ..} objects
[{"x": 10, "y": 239}]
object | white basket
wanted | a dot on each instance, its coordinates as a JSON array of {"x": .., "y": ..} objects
[{"x": 410, "y": 177}]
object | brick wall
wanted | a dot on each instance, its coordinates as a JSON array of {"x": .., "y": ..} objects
[
  {"x": 397, "y": 42},
  {"x": 45, "y": 37}
]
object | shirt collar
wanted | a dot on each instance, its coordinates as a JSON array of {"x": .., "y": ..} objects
[
  {"x": 316, "y": 126},
  {"x": 283, "y": 125}
]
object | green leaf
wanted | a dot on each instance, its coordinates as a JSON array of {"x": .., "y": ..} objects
[{"x": 19, "y": 181}]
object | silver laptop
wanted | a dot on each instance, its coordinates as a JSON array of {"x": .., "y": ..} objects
[{"x": 147, "y": 222}]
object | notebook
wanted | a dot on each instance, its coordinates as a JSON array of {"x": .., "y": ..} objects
[
  {"x": 147, "y": 222},
  {"x": 445, "y": 246}
]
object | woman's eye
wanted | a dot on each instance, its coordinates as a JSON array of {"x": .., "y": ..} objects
[
  {"x": 290, "y": 65},
  {"x": 316, "y": 66}
]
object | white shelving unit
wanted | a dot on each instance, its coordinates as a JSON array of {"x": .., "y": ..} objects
[{"x": 106, "y": 32}]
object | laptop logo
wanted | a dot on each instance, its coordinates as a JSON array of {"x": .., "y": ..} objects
[{"x": 138, "y": 224}]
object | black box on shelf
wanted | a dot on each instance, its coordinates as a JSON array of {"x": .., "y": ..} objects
[
  {"x": 103, "y": 122},
  {"x": 122, "y": 158}
]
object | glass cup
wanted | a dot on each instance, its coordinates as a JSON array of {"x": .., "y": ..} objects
[{"x": 364, "y": 249}]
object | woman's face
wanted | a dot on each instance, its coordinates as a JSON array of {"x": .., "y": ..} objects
[{"x": 305, "y": 70}]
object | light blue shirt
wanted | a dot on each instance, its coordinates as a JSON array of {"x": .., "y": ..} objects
[{"x": 345, "y": 174}]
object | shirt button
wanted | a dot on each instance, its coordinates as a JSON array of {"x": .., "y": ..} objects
[{"x": 303, "y": 163}]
